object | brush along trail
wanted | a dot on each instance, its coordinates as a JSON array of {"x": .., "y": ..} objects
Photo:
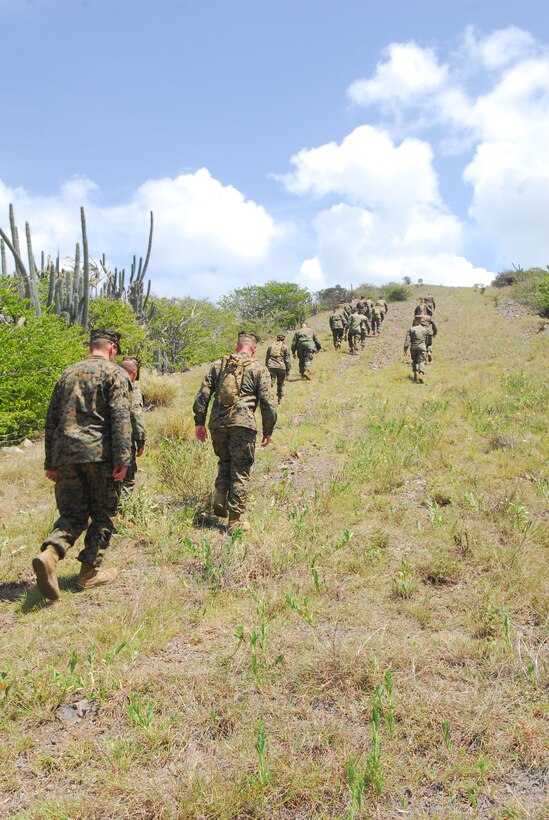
[{"x": 375, "y": 646}]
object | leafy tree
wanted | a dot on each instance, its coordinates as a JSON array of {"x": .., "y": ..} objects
[
  {"x": 328, "y": 298},
  {"x": 119, "y": 316},
  {"x": 407, "y": 280},
  {"x": 188, "y": 331},
  {"x": 275, "y": 304},
  {"x": 507, "y": 277},
  {"x": 34, "y": 351}
]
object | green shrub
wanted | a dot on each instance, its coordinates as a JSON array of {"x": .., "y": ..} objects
[
  {"x": 34, "y": 351},
  {"x": 119, "y": 316},
  {"x": 395, "y": 292}
]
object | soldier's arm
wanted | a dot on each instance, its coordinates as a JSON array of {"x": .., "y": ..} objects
[
  {"x": 202, "y": 400},
  {"x": 121, "y": 423},
  {"x": 434, "y": 328},
  {"x": 407, "y": 341},
  {"x": 267, "y": 356},
  {"x": 52, "y": 420},
  {"x": 294, "y": 343},
  {"x": 317, "y": 343},
  {"x": 266, "y": 402},
  {"x": 287, "y": 361},
  {"x": 139, "y": 431}
]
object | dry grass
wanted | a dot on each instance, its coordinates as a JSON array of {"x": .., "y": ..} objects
[{"x": 396, "y": 528}]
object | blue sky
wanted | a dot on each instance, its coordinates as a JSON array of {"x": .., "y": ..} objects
[{"x": 316, "y": 141}]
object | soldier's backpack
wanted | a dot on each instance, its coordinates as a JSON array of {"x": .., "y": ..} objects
[
  {"x": 276, "y": 349},
  {"x": 231, "y": 376}
]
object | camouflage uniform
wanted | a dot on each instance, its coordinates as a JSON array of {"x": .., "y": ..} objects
[
  {"x": 233, "y": 429},
  {"x": 337, "y": 326},
  {"x": 357, "y": 326},
  {"x": 381, "y": 303},
  {"x": 88, "y": 430},
  {"x": 418, "y": 338},
  {"x": 279, "y": 363},
  {"x": 376, "y": 319},
  {"x": 139, "y": 436},
  {"x": 305, "y": 344}
]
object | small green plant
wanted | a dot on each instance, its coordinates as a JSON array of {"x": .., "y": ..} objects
[
  {"x": 507, "y": 632},
  {"x": 301, "y": 609},
  {"x": 390, "y": 712},
  {"x": 373, "y": 761},
  {"x": 314, "y": 572},
  {"x": 356, "y": 783},
  {"x": 347, "y": 535},
  {"x": 403, "y": 581},
  {"x": 447, "y": 735},
  {"x": 261, "y": 751},
  {"x": 140, "y": 715}
]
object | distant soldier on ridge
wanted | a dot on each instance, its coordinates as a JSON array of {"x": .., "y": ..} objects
[
  {"x": 278, "y": 362},
  {"x": 304, "y": 345}
]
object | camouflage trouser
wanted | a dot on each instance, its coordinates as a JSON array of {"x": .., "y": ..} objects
[
  {"x": 84, "y": 492},
  {"x": 235, "y": 449},
  {"x": 354, "y": 338},
  {"x": 376, "y": 323},
  {"x": 419, "y": 357},
  {"x": 363, "y": 332},
  {"x": 337, "y": 334},
  {"x": 305, "y": 357},
  {"x": 278, "y": 377},
  {"x": 128, "y": 485}
]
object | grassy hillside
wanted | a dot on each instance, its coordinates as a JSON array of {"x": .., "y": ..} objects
[{"x": 376, "y": 646}]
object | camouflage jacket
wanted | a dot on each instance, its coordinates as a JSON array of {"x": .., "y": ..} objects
[
  {"x": 137, "y": 413},
  {"x": 338, "y": 320},
  {"x": 362, "y": 306},
  {"x": 88, "y": 419},
  {"x": 418, "y": 337},
  {"x": 305, "y": 338},
  {"x": 356, "y": 323},
  {"x": 278, "y": 361},
  {"x": 255, "y": 389},
  {"x": 428, "y": 321}
]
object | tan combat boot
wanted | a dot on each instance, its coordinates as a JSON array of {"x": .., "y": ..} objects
[
  {"x": 93, "y": 576},
  {"x": 220, "y": 503},
  {"x": 421, "y": 378},
  {"x": 44, "y": 566},
  {"x": 236, "y": 523},
  {"x": 415, "y": 376}
]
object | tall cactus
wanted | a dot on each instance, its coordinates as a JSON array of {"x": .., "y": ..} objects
[{"x": 86, "y": 279}]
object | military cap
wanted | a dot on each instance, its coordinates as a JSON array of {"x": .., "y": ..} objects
[
  {"x": 281, "y": 336},
  {"x": 109, "y": 335},
  {"x": 247, "y": 336}
]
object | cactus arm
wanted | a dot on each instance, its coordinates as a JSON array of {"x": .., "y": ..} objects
[
  {"x": 149, "y": 247},
  {"x": 85, "y": 306}
]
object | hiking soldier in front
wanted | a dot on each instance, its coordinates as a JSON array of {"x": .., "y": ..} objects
[
  {"x": 419, "y": 338},
  {"x": 278, "y": 362},
  {"x": 337, "y": 325},
  {"x": 357, "y": 326},
  {"x": 88, "y": 451},
  {"x": 132, "y": 367},
  {"x": 304, "y": 345},
  {"x": 237, "y": 383}
]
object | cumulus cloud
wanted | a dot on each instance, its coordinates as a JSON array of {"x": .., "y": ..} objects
[
  {"x": 207, "y": 236},
  {"x": 408, "y": 73},
  {"x": 490, "y": 101},
  {"x": 390, "y": 221}
]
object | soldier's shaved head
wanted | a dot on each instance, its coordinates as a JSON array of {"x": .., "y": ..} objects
[{"x": 104, "y": 348}]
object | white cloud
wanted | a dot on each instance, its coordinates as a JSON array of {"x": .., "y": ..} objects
[
  {"x": 367, "y": 168},
  {"x": 409, "y": 73},
  {"x": 500, "y": 48},
  {"x": 491, "y": 100},
  {"x": 207, "y": 236}
]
